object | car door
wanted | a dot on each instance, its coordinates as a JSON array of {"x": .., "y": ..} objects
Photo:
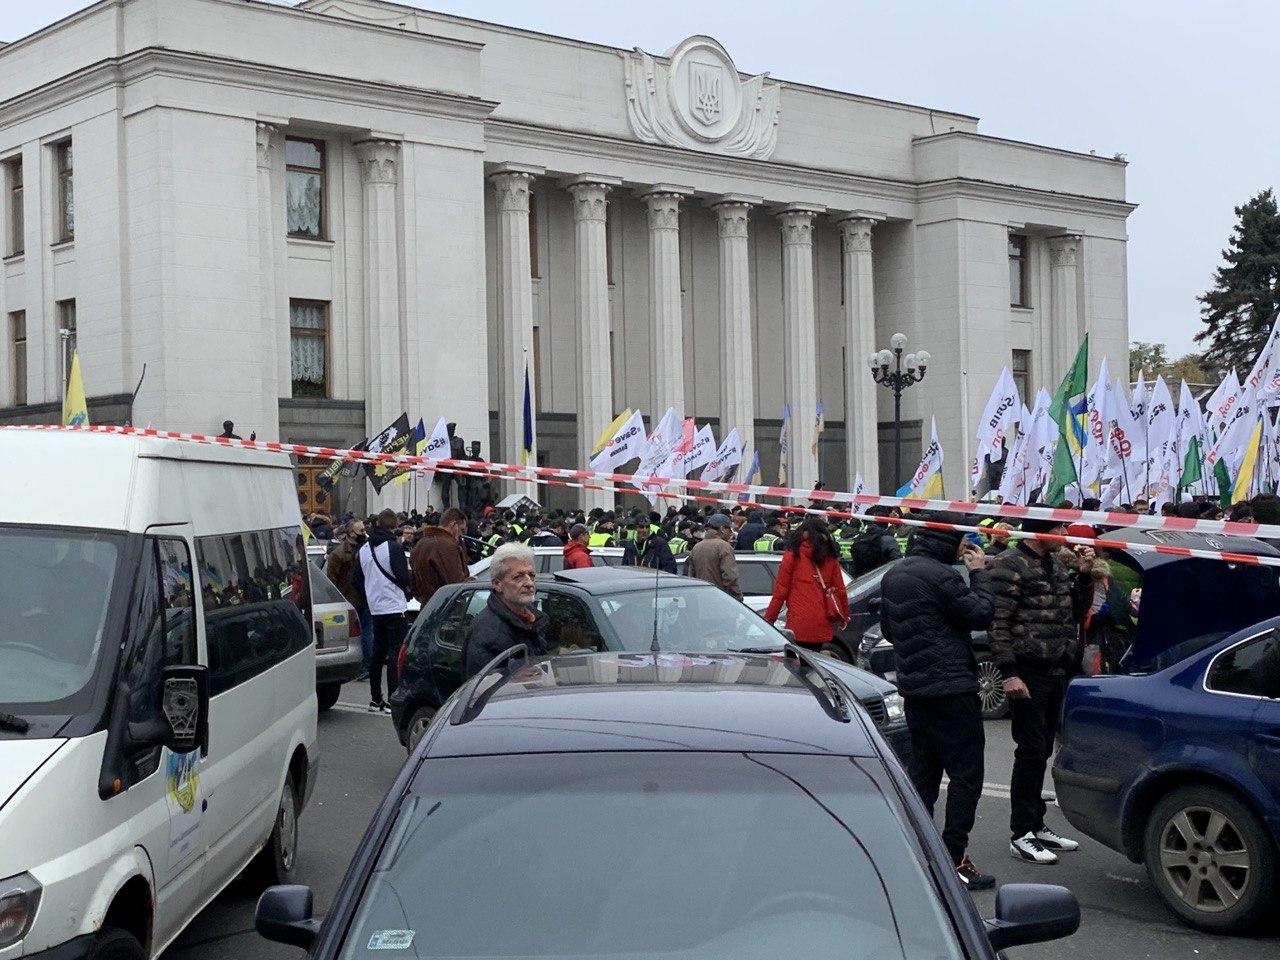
[
  {"x": 446, "y": 647},
  {"x": 1249, "y": 672}
]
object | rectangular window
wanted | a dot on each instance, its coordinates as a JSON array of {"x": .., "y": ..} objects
[
  {"x": 1018, "y": 296},
  {"x": 304, "y": 187},
  {"x": 1021, "y": 370},
  {"x": 67, "y": 344},
  {"x": 13, "y": 180},
  {"x": 18, "y": 355},
  {"x": 66, "y": 210},
  {"x": 309, "y": 347},
  {"x": 257, "y": 602},
  {"x": 533, "y": 236}
]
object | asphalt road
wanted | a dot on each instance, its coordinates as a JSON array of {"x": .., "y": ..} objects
[{"x": 360, "y": 758}]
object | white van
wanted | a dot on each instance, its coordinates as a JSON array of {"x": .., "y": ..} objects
[{"x": 157, "y": 686}]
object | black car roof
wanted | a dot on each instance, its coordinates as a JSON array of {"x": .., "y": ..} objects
[
  {"x": 1192, "y": 539},
  {"x": 641, "y": 701}
]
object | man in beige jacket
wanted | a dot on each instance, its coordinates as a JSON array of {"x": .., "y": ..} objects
[{"x": 712, "y": 558}]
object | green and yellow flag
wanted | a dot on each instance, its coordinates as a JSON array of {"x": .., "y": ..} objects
[
  {"x": 75, "y": 411},
  {"x": 1070, "y": 411}
]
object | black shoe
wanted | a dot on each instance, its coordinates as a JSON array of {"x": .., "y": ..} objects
[
  {"x": 379, "y": 706},
  {"x": 972, "y": 877}
]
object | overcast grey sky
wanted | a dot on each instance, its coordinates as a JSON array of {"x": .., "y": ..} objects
[{"x": 1186, "y": 90}]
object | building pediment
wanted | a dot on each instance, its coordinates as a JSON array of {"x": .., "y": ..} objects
[{"x": 693, "y": 97}]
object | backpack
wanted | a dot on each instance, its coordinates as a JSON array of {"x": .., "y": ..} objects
[{"x": 868, "y": 551}]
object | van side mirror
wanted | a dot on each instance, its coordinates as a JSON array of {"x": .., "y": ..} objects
[
  {"x": 284, "y": 916},
  {"x": 1032, "y": 913},
  {"x": 183, "y": 723}
]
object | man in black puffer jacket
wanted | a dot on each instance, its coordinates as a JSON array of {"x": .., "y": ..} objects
[{"x": 928, "y": 612}]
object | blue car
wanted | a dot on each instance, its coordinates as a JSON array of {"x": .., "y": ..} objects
[{"x": 1175, "y": 762}]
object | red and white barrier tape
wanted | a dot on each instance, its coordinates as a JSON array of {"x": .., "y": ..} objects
[{"x": 519, "y": 472}]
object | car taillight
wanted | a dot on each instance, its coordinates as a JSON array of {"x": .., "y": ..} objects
[
  {"x": 400, "y": 657},
  {"x": 353, "y": 623}
]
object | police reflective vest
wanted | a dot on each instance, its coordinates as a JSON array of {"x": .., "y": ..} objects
[
  {"x": 844, "y": 541},
  {"x": 901, "y": 537},
  {"x": 601, "y": 539},
  {"x": 764, "y": 544},
  {"x": 678, "y": 546},
  {"x": 492, "y": 543}
]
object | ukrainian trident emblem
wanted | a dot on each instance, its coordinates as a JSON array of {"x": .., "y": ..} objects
[{"x": 705, "y": 91}]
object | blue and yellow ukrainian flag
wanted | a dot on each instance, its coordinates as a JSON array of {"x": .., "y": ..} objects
[{"x": 75, "y": 410}]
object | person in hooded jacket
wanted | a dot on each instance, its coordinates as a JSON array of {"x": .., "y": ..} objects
[
  {"x": 928, "y": 612},
  {"x": 810, "y": 566},
  {"x": 751, "y": 531}
]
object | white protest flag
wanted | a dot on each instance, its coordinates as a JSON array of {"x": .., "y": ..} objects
[
  {"x": 1095, "y": 448},
  {"x": 1264, "y": 367},
  {"x": 1229, "y": 447},
  {"x": 859, "y": 488},
  {"x": 727, "y": 456},
  {"x": 927, "y": 480},
  {"x": 1188, "y": 427},
  {"x": 437, "y": 448},
  {"x": 998, "y": 416},
  {"x": 674, "y": 466},
  {"x": 1125, "y": 452},
  {"x": 700, "y": 454},
  {"x": 1017, "y": 471},
  {"x": 660, "y": 445},
  {"x": 1159, "y": 435},
  {"x": 1273, "y": 458},
  {"x": 626, "y": 444},
  {"x": 1222, "y": 402},
  {"x": 1138, "y": 408}
]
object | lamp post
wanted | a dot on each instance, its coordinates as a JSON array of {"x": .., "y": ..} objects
[{"x": 898, "y": 380}]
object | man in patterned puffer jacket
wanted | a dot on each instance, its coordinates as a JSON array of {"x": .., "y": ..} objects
[{"x": 1040, "y": 603}]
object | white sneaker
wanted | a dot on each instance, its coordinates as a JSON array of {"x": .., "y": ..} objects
[
  {"x": 1030, "y": 849},
  {"x": 1050, "y": 839}
]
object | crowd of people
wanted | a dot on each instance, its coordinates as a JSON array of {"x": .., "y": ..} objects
[{"x": 1051, "y": 612}]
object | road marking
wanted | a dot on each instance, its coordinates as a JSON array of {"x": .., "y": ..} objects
[
  {"x": 1000, "y": 791},
  {"x": 356, "y": 708}
]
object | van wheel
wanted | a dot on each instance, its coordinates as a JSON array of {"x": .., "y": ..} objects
[
  {"x": 276, "y": 862},
  {"x": 328, "y": 694},
  {"x": 113, "y": 944},
  {"x": 1211, "y": 860},
  {"x": 418, "y": 724}
]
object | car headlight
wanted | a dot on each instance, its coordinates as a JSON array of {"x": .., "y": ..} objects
[
  {"x": 895, "y": 710},
  {"x": 19, "y": 897}
]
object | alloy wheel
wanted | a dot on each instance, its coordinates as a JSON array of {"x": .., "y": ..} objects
[
  {"x": 991, "y": 689},
  {"x": 1205, "y": 859}
]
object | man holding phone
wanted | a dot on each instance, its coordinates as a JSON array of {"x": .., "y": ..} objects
[
  {"x": 928, "y": 612},
  {"x": 1040, "y": 601}
]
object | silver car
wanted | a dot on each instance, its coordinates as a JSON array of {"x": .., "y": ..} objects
[{"x": 339, "y": 658}]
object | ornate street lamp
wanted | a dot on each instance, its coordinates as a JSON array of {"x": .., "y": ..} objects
[{"x": 898, "y": 380}]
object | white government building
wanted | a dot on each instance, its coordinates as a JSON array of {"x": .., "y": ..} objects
[{"x": 310, "y": 219}]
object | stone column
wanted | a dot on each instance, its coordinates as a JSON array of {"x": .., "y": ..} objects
[
  {"x": 737, "y": 364},
  {"x": 800, "y": 346},
  {"x": 275, "y": 329},
  {"x": 515, "y": 313},
  {"x": 665, "y": 305},
  {"x": 384, "y": 352},
  {"x": 595, "y": 369},
  {"x": 862, "y": 449},
  {"x": 1064, "y": 314}
]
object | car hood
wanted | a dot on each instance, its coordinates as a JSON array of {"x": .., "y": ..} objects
[
  {"x": 19, "y": 759},
  {"x": 863, "y": 685}
]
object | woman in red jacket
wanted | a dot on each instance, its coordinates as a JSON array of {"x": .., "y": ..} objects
[{"x": 810, "y": 568}]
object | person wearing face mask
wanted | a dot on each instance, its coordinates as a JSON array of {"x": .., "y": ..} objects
[
  {"x": 510, "y": 617},
  {"x": 339, "y": 568}
]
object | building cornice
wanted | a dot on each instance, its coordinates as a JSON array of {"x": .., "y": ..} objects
[
  {"x": 205, "y": 68},
  {"x": 971, "y": 189},
  {"x": 1024, "y": 144}
]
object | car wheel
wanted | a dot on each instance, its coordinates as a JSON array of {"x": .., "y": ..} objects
[
  {"x": 1211, "y": 860},
  {"x": 327, "y": 695},
  {"x": 114, "y": 944},
  {"x": 837, "y": 651},
  {"x": 418, "y": 724},
  {"x": 277, "y": 861},
  {"x": 995, "y": 702}
]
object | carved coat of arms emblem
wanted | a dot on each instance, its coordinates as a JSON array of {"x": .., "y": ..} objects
[{"x": 706, "y": 101}]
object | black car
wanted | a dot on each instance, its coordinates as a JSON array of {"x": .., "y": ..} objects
[
  {"x": 604, "y": 609},
  {"x": 656, "y": 805}
]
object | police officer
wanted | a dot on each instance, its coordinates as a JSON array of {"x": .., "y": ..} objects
[
  {"x": 774, "y": 539},
  {"x": 603, "y": 534}
]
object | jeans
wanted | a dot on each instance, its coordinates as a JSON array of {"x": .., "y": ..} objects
[
  {"x": 366, "y": 640},
  {"x": 1035, "y": 728},
  {"x": 947, "y": 735},
  {"x": 389, "y": 631}
]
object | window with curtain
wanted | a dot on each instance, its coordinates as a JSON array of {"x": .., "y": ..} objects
[
  {"x": 13, "y": 178},
  {"x": 66, "y": 194},
  {"x": 309, "y": 347},
  {"x": 304, "y": 187}
]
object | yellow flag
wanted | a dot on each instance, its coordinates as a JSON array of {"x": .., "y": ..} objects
[
  {"x": 1244, "y": 478},
  {"x": 75, "y": 411},
  {"x": 611, "y": 430}
]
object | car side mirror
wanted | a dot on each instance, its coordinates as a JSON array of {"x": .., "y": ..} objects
[
  {"x": 183, "y": 722},
  {"x": 284, "y": 916},
  {"x": 1032, "y": 913}
]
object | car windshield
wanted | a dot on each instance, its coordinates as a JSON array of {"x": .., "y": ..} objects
[
  {"x": 55, "y": 587},
  {"x": 643, "y": 855},
  {"x": 322, "y": 588},
  {"x": 690, "y": 618}
]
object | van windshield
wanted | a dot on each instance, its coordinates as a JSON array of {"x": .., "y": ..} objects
[{"x": 55, "y": 588}]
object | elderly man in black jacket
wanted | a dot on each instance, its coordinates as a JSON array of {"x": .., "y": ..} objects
[
  {"x": 510, "y": 616},
  {"x": 928, "y": 612}
]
